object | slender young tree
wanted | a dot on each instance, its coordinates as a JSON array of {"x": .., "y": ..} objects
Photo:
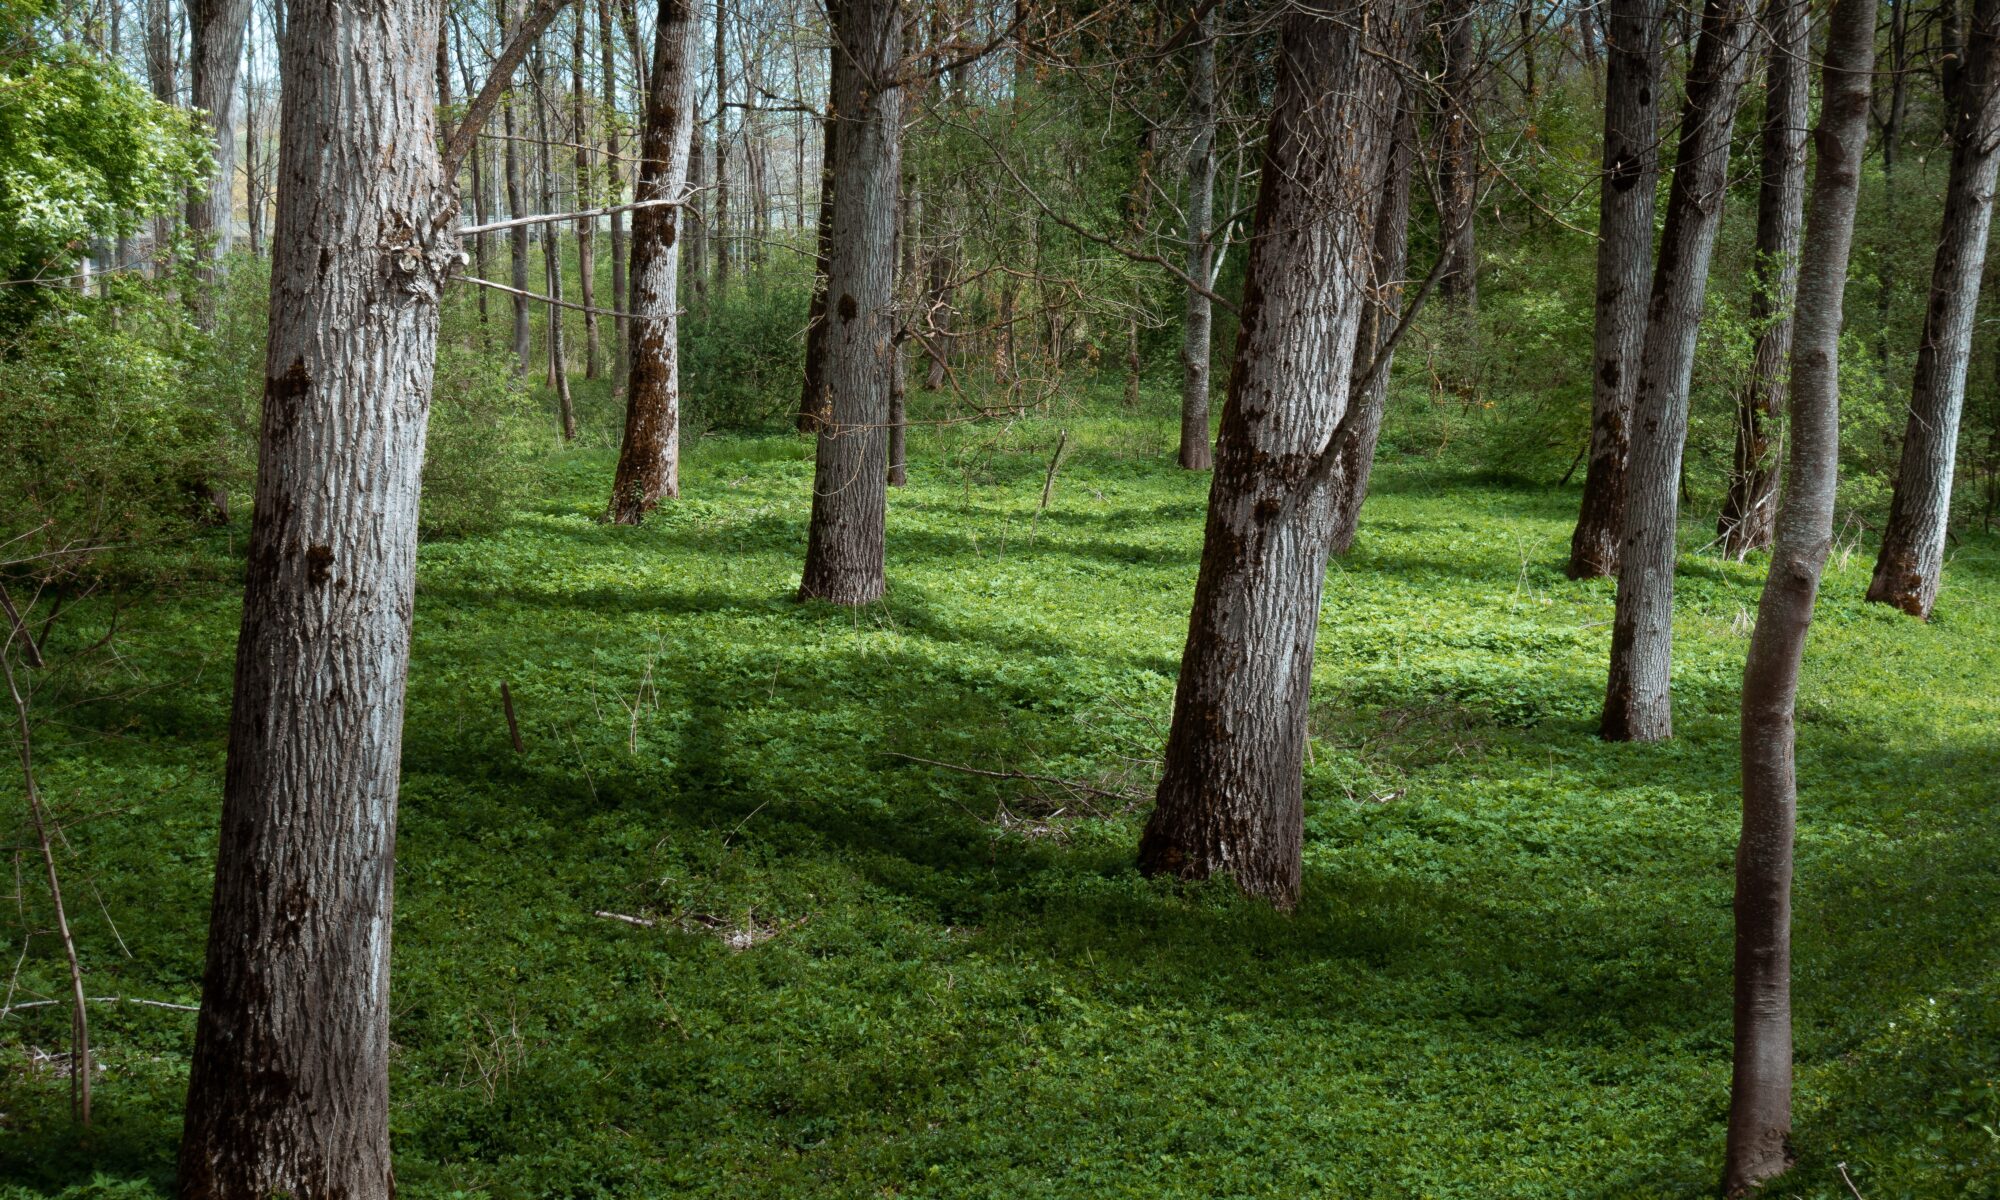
[
  {"x": 551, "y": 239},
  {"x": 1197, "y": 318},
  {"x": 1625, "y": 192},
  {"x": 621, "y": 333},
  {"x": 517, "y": 206},
  {"x": 1749, "y": 509},
  {"x": 1638, "y": 703},
  {"x": 844, "y": 550},
  {"x": 1458, "y": 150},
  {"x": 720, "y": 234},
  {"x": 588, "y": 192},
  {"x": 649, "y": 459},
  {"x": 288, "y": 1088},
  {"x": 1230, "y": 799},
  {"x": 1760, "y": 1091},
  {"x": 1910, "y": 564}
]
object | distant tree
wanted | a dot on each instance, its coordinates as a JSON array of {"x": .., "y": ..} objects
[
  {"x": 1458, "y": 149},
  {"x": 1625, "y": 190},
  {"x": 1749, "y": 510},
  {"x": 1760, "y": 1092},
  {"x": 218, "y": 28},
  {"x": 1197, "y": 318},
  {"x": 1638, "y": 704},
  {"x": 844, "y": 544},
  {"x": 649, "y": 459},
  {"x": 1230, "y": 799},
  {"x": 1910, "y": 564}
]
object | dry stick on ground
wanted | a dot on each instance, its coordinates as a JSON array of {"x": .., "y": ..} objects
[
  {"x": 79, "y": 1075},
  {"x": 27, "y": 1004},
  {"x": 513, "y": 727}
]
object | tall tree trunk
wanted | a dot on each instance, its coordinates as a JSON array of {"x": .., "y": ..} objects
[
  {"x": 551, "y": 239},
  {"x": 1230, "y": 798},
  {"x": 218, "y": 28},
  {"x": 588, "y": 195},
  {"x": 694, "y": 227},
  {"x": 288, "y": 1086},
  {"x": 814, "y": 404},
  {"x": 850, "y": 500},
  {"x": 1458, "y": 154},
  {"x": 1638, "y": 698},
  {"x": 1625, "y": 193},
  {"x": 517, "y": 206},
  {"x": 649, "y": 459},
  {"x": 1760, "y": 1092},
  {"x": 1893, "y": 121},
  {"x": 1368, "y": 395},
  {"x": 1911, "y": 561},
  {"x": 163, "y": 74},
  {"x": 721, "y": 231},
  {"x": 1197, "y": 318},
  {"x": 621, "y": 331},
  {"x": 1749, "y": 509}
]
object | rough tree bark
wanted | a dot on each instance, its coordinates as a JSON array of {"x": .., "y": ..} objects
[
  {"x": 1230, "y": 799},
  {"x": 1911, "y": 561},
  {"x": 1197, "y": 321},
  {"x": 288, "y": 1088},
  {"x": 1749, "y": 509},
  {"x": 1760, "y": 1092},
  {"x": 218, "y": 27},
  {"x": 1368, "y": 387},
  {"x": 1625, "y": 193},
  {"x": 1458, "y": 151},
  {"x": 844, "y": 552},
  {"x": 649, "y": 459},
  {"x": 1638, "y": 701}
]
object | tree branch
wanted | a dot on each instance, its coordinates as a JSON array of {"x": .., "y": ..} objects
[{"x": 533, "y": 22}]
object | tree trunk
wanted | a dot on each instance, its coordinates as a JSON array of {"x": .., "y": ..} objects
[
  {"x": 813, "y": 400},
  {"x": 218, "y": 27},
  {"x": 1197, "y": 320},
  {"x": 694, "y": 227},
  {"x": 1898, "y": 72},
  {"x": 1368, "y": 397},
  {"x": 844, "y": 541},
  {"x": 721, "y": 231},
  {"x": 1230, "y": 799},
  {"x": 1638, "y": 700},
  {"x": 1749, "y": 509},
  {"x": 551, "y": 239},
  {"x": 621, "y": 331},
  {"x": 1625, "y": 193},
  {"x": 1458, "y": 153},
  {"x": 1760, "y": 1092},
  {"x": 649, "y": 459},
  {"x": 1911, "y": 561},
  {"x": 163, "y": 74},
  {"x": 517, "y": 206},
  {"x": 588, "y": 195},
  {"x": 288, "y": 1087}
]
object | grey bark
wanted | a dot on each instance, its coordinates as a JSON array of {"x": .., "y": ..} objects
[
  {"x": 517, "y": 206},
  {"x": 1760, "y": 1109},
  {"x": 1230, "y": 798},
  {"x": 1910, "y": 565},
  {"x": 218, "y": 28},
  {"x": 288, "y": 1088},
  {"x": 1638, "y": 703},
  {"x": 649, "y": 457},
  {"x": 1197, "y": 321},
  {"x": 1749, "y": 508},
  {"x": 844, "y": 550},
  {"x": 720, "y": 234},
  {"x": 163, "y": 75},
  {"x": 586, "y": 192},
  {"x": 1625, "y": 193}
]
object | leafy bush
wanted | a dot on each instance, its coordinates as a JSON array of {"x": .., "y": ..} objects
[
  {"x": 742, "y": 355},
  {"x": 477, "y": 457}
]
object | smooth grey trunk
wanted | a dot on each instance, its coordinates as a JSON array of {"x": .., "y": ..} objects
[
  {"x": 1910, "y": 564},
  {"x": 1197, "y": 321},
  {"x": 1368, "y": 386},
  {"x": 1749, "y": 509},
  {"x": 288, "y": 1088},
  {"x": 1230, "y": 799},
  {"x": 1760, "y": 1091},
  {"x": 844, "y": 545},
  {"x": 1625, "y": 191},
  {"x": 649, "y": 456},
  {"x": 218, "y": 27},
  {"x": 1638, "y": 700}
]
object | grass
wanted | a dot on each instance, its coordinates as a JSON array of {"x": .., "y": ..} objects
[{"x": 874, "y": 977}]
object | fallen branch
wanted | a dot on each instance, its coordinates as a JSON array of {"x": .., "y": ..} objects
[
  {"x": 27, "y": 1004},
  {"x": 641, "y": 922}
]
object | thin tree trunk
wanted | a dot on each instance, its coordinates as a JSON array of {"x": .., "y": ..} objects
[
  {"x": 163, "y": 75},
  {"x": 517, "y": 206},
  {"x": 649, "y": 459},
  {"x": 1625, "y": 192},
  {"x": 1458, "y": 155},
  {"x": 844, "y": 552},
  {"x": 1373, "y": 352},
  {"x": 694, "y": 227},
  {"x": 218, "y": 28},
  {"x": 588, "y": 196},
  {"x": 1910, "y": 564},
  {"x": 1638, "y": 699},
  {"x": 289, "y": 1084},
  {"x": 621, "y": 332},
  {"x": 1749, "y": 509},
  {"x": 558, "y": 357},
  {"x": 721, "y": 230},
  {"x": 1760, "y": 1092},
  {"x": 814, "y": 404},
  {"x": 1893, "y": 121},
  {"x": 1230, "y": 799},
  {"x": 1197, "y": 321}
]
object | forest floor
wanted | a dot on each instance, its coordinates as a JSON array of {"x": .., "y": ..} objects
[{"x": 862, "y": 974}]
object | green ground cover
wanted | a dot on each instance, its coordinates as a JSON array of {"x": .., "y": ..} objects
[{"x": 871, "y": 976}]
